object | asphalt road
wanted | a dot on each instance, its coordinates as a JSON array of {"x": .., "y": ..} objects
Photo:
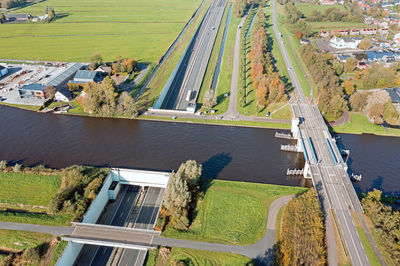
[
  {"x": 146, "y": 219},
  {"x": 191, "y": 73},
  {"x": 332, "y": 182},
  {"x": 101, "y": 254}
]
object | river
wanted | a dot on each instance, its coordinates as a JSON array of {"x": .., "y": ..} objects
[{"x": 231, "y": 153}]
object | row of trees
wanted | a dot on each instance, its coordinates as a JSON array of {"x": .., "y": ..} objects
[
  {"x": 102, "y": 99},
  {"x": 302, "y": 236},
  {"x": 126, "y": 65},
  {"x": 181, "y": 194},
  {"x": 296, "y": 20},
  {"x": 12, "y": 3},
  {"x": 242, "y": 5},
  {"x": 266, "y": 81},
  {"x": 386, "y": 222},
  {"x": 332, "y": 102}
]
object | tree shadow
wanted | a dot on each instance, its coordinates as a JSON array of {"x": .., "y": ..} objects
[
  {"x": 214, "y": 165},
  {"x": 61, "y": 15},
  {"x": 266, "y": 258}
]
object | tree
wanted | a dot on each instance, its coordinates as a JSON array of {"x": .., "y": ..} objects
[
  {"x": 191, "y": 173},
  {"x": 365, "y": 44},
  {"x": 95, "y": 61},
  {"x": 298, "y": 35},
  {"x": 375, "y": 113},
  {"x": 210, "y": 99},
  {"x": 358, "y": 101},
  {"x": 240, "y": 7},
  {"x": 2, "y": 18},
  {"x": 350, "y": 64},
  {"x": 49, "y": 92},
  {"x": 129, "y": 65},
  {"x": 348, "y": 87},
  {"x": 126, "y": 106},
  {"x": 177, "y": 200}
]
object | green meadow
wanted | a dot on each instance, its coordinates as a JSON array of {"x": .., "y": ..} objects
[{"x": 129, "y": 28}]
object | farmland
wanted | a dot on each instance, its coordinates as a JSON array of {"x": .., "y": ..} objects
[{"x": 134, "y": 28}]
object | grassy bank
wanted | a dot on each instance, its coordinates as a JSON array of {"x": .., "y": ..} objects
[
  {"x": 36, "y": 218},
  {"x": 359, "y": 124},
  {"x": 28, "y": 189},
  {"x": 157, "y": 83},
  {"x": 373, "y": 259},
  {"x": 232, "y": 212},
  {"x": 197, "y": 257},
  {"x": 139, "y": 29},
  {"x": 22, "y": 106},
  {"x": 19, "y": 240},
  {"x": 221, "y": 122}
]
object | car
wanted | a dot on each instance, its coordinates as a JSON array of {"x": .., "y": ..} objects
[{"x": 268, "y": 114}]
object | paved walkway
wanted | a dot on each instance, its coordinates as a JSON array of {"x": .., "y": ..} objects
[
  {"x": 232, "y": 108},
  {"x": 261, "y": 252}
]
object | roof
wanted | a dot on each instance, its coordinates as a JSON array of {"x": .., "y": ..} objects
[
  {"x": 65, "y": 92},
  {"x": 2, "y": 67},
  {"x": 16, "y": 16},
  {"x": 394, "y": 94},
  {"x": 85, "y": 74},
  {"x": 103, "y": 68},
  {"x": 33, "y": 87},
  {"x": 65, "y": 75}
]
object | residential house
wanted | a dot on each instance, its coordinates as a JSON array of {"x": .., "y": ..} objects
[
  {"x": 63, "y": 95},
  {"x": 361, "y": 64},
  {"x": 32, "y": 90},
  {"x": 368, "y": 20},
  {"x": 354, "y": 32},
  {"x": 394, "y": 95},
  {"x": 396, "y": 39},
  {"x": 3, "y": 71},
  {"x": 369, "y": 31},
  {"x": 345, "y": 43},
  {"x": 339, "y": 33},
  {"x": 84, "y": 76},
  {"x": 324, "y": 34},
  {"x": 104, "y": 69},
  {"x": 383, "y": 31}
]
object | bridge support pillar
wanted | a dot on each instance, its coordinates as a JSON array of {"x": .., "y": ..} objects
[
  {"x": 307, "y": 170},
  {"x": 295, "y": 128}
]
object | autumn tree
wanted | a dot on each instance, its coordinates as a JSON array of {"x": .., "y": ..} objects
[
  {"x": 210, "y": 99},
  {"x": 365, "y": 44},
  {"x": 358, "y": 101},
  {"x": 348, "y": 87},
  {"x": 301, "y": 240},
  {"x": 350, "y": 65},
  {"x": 95, "y": 61},
  {"x": 49, "y": 92},
  {"x": 240, "y": 7}
]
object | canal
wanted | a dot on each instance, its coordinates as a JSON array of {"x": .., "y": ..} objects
[{"x": 232, "y": 153}]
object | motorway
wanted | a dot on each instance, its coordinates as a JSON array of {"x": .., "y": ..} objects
[
  {"x": 328, "y": 172},
  {"x": 98, "y": 255},
  {"x": 190, "y": 75},
  {"x": 146, "y": 219}
]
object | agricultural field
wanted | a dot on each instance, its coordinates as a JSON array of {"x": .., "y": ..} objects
[
  {"x": 139, "y": 29},
  {"x": 197, "y": 258},
  {"x": 232, "y": 212},
  {"x": 307, "y": 8}
]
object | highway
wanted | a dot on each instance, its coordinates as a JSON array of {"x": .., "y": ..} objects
[
  {"x": 190, "y": 75},
  {"x": 100, "y": 254},
  {"x": 330, "y": 178},
  {"x": 146, "y": 219}
]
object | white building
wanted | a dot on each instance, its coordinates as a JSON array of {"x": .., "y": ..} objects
[
  {"x": 63, "y": 95},
  {"x": 396, "y": 39},
  {"x": 344, "y": 43},
  {"x": 3, "y": 71}
]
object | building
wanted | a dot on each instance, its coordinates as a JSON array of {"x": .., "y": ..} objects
[
  {"x": 3, "y": 71},
  {"x": 62, "y": 79},
  {"x": 63, "y": 95},
  {"x": 383, "y": 31},
  {"x": 339, "y": 32},
  {"x": 354, "y": 32},
  {"x": 394, "y": 95},
  {"x": 361, "y": 65},
  {"x": 32, "y": 90},
  {"x": 104, "y": 69},
  {"x": 345, "y": 43},
  {"x": 370, "y": 31},
  {"x": 17, "y": 18},
  {"x": 84, "y": 76},
  {"x": 324, "y": 34},
  {"x": 368, "y": 20},
  {"x": 396, "y": 39}
]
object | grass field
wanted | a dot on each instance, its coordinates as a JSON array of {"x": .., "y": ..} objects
[
  {"x": 28, "y": 189},
  {"x": 373, "y": 259},
  {"x": 19, "y": 240},
  {"x": 307, "y": 8},
  {"x": 233, "y": 212},
  {"x": 359, "y": 124},
  {"x": 134, "y": 28},
  {"x": 36, "y": 218},
  {"x": 57, "y": 252},
  {"x": 198, "y": 258}
]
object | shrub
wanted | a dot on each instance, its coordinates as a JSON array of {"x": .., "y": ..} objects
[
  {"x": 17, "y": 168},
  {"x": 3, "y": 164}
]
